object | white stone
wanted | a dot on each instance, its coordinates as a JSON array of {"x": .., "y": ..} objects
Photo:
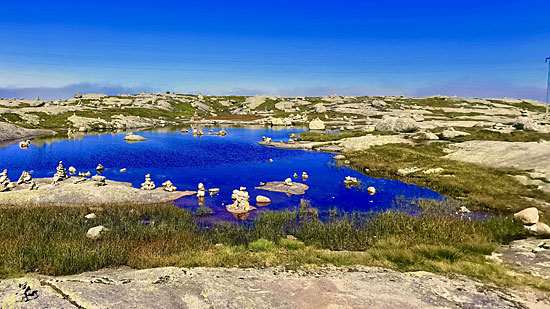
[
  {"x": 317, "y": 124},
  {"x": 90, "y": 216},
  {"x": 260, "y": 199},
  {"x": 528, "y": 215},
  {"x": 96, "y": 232}
]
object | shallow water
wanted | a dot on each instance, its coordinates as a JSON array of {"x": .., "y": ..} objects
[{"x": 226, "y": 163}]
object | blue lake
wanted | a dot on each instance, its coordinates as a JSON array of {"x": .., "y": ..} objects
[{"x": 226, "y": 163}]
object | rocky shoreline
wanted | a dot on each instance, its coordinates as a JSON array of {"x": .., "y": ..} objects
[{"x": 86, "y": 192}]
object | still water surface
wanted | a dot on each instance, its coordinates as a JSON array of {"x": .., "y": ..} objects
[{"x": 226, "y": 163}]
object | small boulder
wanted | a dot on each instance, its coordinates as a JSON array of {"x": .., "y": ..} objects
[
  {"x": 371, "y": 190},
  {"x": 339, "y": 157},
  {"x": 452, "y": 133},
  {"x": 96, "y": 232},
  {"x": 528, "y": 215},
  {"x": 90, "y": 216},
  {"x": 72, "y": 170},
  {"x": 131, "y": 137},
  {"x": 260, "y": 199},
  {"x": 538, "y": 228}
]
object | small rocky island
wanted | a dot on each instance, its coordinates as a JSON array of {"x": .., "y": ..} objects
[{"x": 64, "y": 190}]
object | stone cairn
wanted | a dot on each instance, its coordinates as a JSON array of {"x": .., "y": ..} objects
[
  {"x": 5, "y": 182},
  {"x": 240, "y": 201},
  {"x": 72, "y": 170},
  {"x": 351, "y": 181},
  {"x": 201, "y": 191},
  {"x": 99, "y": 168},
  {"x": 305, "y": 176},
  {"x": 98, "y": 180},
  {"x": 25, "y": 178},
  {"x": 148, "y": 184},
  {"x": 168, "y": 186},
  {"x": 60, "y": 174}
]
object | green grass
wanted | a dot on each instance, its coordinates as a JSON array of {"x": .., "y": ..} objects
[
  {"x": 51, "y": 241},
  {"x": 478, "y": 186},
  {"x": 477, "y": 133}
]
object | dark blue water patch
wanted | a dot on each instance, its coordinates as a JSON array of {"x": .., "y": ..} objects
[{"x": 226, "y": 163}]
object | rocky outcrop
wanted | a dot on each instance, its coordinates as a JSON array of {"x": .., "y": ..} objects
[
  {"x": 317, "y": 124},
  {"x": 396, "y": 124},
  {"x": 86, "y": 193},
  {"x": 324, "y": 287},
  {"x": 10, "y": 132},
  {"x": 529, "y": 124},
  {"x": 287, "y": 186}
]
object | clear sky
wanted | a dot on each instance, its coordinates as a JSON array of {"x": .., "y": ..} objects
[{"x": 415, "y": 48}]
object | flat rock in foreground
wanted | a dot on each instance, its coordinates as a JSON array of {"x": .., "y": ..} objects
[
  {"x": 171, "y": 287},
  {"x": 83, "y": 194},
  {"x": 279, "y": 186}
]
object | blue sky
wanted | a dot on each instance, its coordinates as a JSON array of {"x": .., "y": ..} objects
[{"x": 415, "y": 48}]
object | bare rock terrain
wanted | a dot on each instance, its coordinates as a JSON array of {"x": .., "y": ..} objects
[
  {"x": 12, "y": 132},
  {"x": 86, "y": 193},
  {"x": 171, "y": 287}
]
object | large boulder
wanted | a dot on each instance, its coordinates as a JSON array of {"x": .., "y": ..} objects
[
  {"x": 378, "y": 103},
  {"x": 396, "y": 124},
  {"x": 528, "y": 215},
  {"x": 317, "y": 124},
  {"x": 320, "y": 108},
  {"x": 528, "y": 124}
]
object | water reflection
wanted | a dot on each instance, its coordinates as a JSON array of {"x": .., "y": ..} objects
[{"x": 220, "y": 163}]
